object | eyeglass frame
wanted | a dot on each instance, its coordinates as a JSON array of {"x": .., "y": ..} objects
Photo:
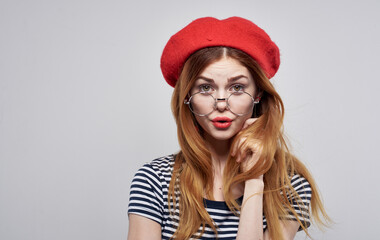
[{"x": 255, "y": 101}]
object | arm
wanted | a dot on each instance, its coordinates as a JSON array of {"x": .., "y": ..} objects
[
  {"x": 143, "y": 228},
  {"x": 145, "y": 205},
  {"x": 289, "y": 229},
  {"x": 251, "y": 216}
]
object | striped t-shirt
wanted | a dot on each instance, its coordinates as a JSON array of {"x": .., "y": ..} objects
[{"x": 149, "y": 198}]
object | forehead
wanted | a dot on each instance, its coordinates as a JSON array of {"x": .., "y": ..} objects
[{"x": 225, "y": 68}]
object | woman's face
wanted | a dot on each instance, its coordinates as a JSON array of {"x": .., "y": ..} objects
[{"x": 221, "y": 79}]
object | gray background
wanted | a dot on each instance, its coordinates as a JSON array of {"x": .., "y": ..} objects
[{"x": 83, "y": 105}]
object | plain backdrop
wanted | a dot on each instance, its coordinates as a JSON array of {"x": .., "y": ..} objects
[{"x": 83, "y": 105}]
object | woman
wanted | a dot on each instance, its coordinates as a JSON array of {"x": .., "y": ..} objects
[{"x": 234, "y": 177}]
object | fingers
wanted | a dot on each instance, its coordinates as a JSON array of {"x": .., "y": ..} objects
[
  {"x": 247, "y": 153},
  {"x": 241, "y": 150},
  {"x": 247, "y": 123},
  {"x": 237, "y": 146}
]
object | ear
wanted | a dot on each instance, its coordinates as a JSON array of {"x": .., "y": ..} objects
[
  {"x": 260, "y": 93},
  {"x": 186, "y": 100},
  {"x": 258, "y": 97}
]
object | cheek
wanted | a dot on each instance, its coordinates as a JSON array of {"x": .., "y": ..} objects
[
  {"x": 201, "y": 121},
  {"x": 241, "y": 120}
]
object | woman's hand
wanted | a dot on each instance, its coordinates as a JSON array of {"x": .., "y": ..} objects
[{"x": 247, "y": 152}]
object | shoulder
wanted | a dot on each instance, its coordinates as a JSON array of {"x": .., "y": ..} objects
[
  {"x": 302, "y": 187},
  {"x": 156, "y": 172},
  {"x": 163, "y": 163},
  {"x": 148, "y": 190},
  {"x": 299, "y": 199},
  {"x": 158, "y": 167}
]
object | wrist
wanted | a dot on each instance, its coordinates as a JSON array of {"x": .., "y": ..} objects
[{"x": 254, "y": 185}]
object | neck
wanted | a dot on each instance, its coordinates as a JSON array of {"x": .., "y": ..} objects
[{"x": 219, "y": 150}]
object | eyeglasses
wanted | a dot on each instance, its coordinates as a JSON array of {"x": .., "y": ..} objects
[{"x": 239, "y": 103}]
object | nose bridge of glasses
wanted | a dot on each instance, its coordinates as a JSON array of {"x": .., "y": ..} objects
[
  {"x": 221, "y": 103},
  {"x": 223, "y": 99},
  {"x": 220, "y": 100}
]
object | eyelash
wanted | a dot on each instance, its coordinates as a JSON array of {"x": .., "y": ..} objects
[
  {"x": 201, "y": 88},
  {"x": 241, "y": 87}
]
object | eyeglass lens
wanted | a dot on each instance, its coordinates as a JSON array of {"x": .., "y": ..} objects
[{"x": 239, "y": 103}]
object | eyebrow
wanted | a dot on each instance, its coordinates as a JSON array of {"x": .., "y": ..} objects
[
  {"x": 210, "y": 80},
  {"x": 231, "y": 79}
]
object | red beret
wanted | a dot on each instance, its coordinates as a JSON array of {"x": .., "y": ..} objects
[{"x": 232, "y": 32}]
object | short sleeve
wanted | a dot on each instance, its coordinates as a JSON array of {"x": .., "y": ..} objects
[
  {"x": 145, "y": 198},
  {"x": 301, "y": 205}
]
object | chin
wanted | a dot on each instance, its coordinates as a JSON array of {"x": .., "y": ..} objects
[
  {"x": 221, "y": 135},
  {"x": 222, "y": 138}
]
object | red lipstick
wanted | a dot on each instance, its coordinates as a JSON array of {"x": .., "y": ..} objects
[{"x": 222, "y": 122}]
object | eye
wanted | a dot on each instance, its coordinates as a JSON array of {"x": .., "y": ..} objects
[
  {"x": 205, "y": 88},
  {"x": 237, "y": 88}
]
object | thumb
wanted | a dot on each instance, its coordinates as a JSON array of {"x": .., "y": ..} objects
[{"x": 249, "y": 122}]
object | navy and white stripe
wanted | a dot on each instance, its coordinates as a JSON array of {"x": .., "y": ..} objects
[{"x": 149, "y": 198}]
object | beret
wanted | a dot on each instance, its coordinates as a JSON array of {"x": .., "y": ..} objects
[{"x": 234, "y": 32}]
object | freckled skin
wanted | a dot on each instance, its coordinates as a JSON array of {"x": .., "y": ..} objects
[{"x": 220, "y": 71}]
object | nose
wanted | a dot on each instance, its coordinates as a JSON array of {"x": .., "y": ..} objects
[{"x": 221, "y": 104}]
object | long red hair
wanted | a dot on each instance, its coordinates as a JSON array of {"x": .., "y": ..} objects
[{"x": 192, "y": 177}]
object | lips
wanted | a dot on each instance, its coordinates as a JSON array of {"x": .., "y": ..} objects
[{"x": 221, "y": 122}]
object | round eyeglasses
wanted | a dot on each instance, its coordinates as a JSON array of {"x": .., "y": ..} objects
[{"x": 239, "y": 103}]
